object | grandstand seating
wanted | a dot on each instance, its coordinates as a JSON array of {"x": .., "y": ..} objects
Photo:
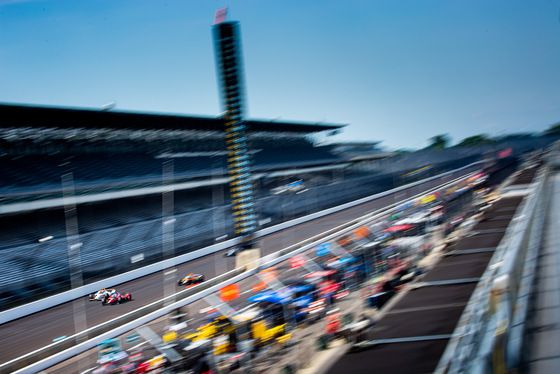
[
  {"x": 107, "y": 251},
  {"x": 43, "y": 172},
  {"x": 111, "y": 232},
  {"x": 293, "y": 157}
]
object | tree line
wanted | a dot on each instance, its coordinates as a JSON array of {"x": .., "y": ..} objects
[{"x": 442, "y": 141}]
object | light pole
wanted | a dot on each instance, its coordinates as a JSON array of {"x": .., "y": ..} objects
[
  {"x": 218, "y": 224},
  {"x": 75, "y": 260},
  {"x": 168, "y": 233}
]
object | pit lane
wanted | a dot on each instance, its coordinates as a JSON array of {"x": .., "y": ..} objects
[{"x": 414, "y": 321}]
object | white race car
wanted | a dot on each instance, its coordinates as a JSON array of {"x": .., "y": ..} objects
[{"x": 101, "y": 294}]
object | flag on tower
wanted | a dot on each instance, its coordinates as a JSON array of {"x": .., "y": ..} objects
[{"x": 220, "y": 16}]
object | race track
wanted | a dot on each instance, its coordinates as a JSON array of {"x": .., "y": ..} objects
[{"x": 40, "y": 329}]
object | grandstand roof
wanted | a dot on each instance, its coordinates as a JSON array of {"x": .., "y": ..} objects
[{"x": 40, "y": 116}]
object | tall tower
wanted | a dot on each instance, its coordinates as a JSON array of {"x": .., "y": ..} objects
[{"x": 229, "y": 66}]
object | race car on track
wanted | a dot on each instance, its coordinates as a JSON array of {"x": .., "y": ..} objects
[
  {"x": 116, "y": 298},
  {"x": 100, "y": 295},
  {"x": 191, "y": 279},
  {"x": 233, "y": 251}
]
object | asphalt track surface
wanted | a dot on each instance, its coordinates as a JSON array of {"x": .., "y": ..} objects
[
  {"x": 41, "y": 329},
  {"x": 431, "y": 311},
  {"x": 298, "y": 352}
]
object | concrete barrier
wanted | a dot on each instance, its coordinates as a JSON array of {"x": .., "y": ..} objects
[
  {"x": 48, "y": 302},
  {"x": 480, "y": 336}
]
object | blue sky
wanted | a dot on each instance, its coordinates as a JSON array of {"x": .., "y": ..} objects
[{"x": 396, "y": 71}]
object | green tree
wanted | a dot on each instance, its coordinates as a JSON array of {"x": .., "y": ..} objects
[
  {"x": 553, "y": 129},
  {"x": 475, "y": 140},
  {"x": 438, "y": 142},
  {"x": 404, "y": 151},
  {"x": 516, "y": 136}
]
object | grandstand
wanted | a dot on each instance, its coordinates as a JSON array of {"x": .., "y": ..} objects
[
  {"x": 116, "y": 160},
  {"x": 105, "y": 149}
]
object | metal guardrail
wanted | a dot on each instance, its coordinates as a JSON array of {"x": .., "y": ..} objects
[
  {"x": 487, "y": 336},
  {"x": 50, "y": 355},
  {"x": 514, "y": 345}
]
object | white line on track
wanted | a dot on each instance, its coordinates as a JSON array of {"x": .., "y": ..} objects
[{"x": 138, "y": 345}]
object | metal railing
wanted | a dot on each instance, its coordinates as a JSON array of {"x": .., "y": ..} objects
[{"x": 488, "y": 337}]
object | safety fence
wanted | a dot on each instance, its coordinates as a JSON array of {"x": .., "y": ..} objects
[{"x": 489, "y": 335}]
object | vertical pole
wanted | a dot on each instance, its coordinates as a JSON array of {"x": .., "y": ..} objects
[
  {"x": 218, "y": 225},
  {"x": 168, "y": 233},
  {"x": 74, "y": 259}
]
